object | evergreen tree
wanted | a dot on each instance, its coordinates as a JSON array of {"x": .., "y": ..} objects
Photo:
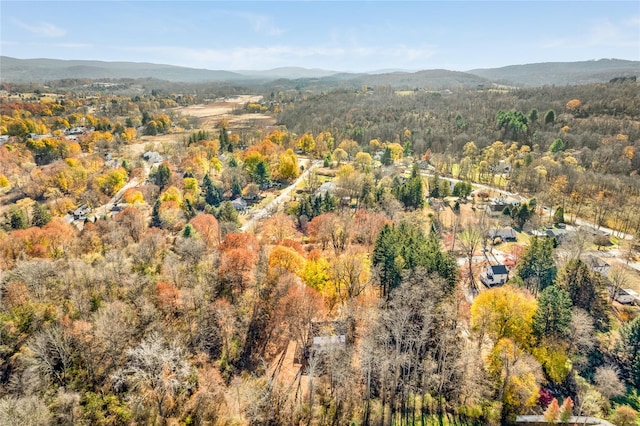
[
  {"x": 189, "y": 210},
  {"x": 261, "y": 173},
  {"x": 405, "y": 247},
  {"x": 387, "y": 159},
  {"x": 550, "y": 117},
  {"x": 162, "y": 175},
  {"x": 536, "y": 268},
  {"x": 227, "y": 213},
  {"x": 587, "y": 290},
  {"x": 156, "y": 222},
  {"x": 628, "y": 352},
  {"x": 212, "y": 194},
  {"x": 558, "y": 215},
  {"x": 553, "y": 315},
  {"x": 40, "y": 216},
  {"x": 188, "y": 231},
  {"x": 236, "y": 189},
  {"x": 18, "y": 218}
]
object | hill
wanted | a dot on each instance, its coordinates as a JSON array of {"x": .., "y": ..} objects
[
  {"x": 41, "y": 70},
  {"x": 529, "y": 75},
  {"x": 560, "y": 73}
]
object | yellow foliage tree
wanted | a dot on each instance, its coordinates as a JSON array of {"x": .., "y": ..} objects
[
  {"x": 288, "y": 166},
  {"x": 516, "y": 376},
  {"x": 171, "y": 194},
  {"x": 504, "y": 312},
  {"x": 285, "y": 259},
  {"x": 111, "y": 181},
  {"x": 552, "y": 355}
]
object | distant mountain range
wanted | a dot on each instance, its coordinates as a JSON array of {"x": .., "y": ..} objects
[{"x": 529, "y": 75}]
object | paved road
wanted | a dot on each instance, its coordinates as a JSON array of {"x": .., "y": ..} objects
[{"x": 266, "y": 211}]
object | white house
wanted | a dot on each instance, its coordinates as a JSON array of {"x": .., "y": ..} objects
[{"x": 495, "y": 275}]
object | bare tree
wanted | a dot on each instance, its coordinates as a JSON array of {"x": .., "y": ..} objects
[
  {"x": 608, "y": 380},
  {"x": 158, "y": 369},
  {"x": 27, "y": 411},
  {"x": 470, "y": 240},
  {"x": 618, "y": 279}
]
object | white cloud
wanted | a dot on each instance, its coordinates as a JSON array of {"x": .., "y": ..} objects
[
  {"x": 282, "y": 55},
  {"x": 43, "y": 29}
]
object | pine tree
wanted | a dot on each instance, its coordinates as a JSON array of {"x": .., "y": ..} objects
[
  {"x": 156, "y": 222},
  {"x": 40, "y": 216}
]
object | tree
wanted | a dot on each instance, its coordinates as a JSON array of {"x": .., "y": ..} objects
[
  {"x": 18, "y": 218},
  {"x": 470, "y": 239},
  {"x": 40, "y": 216},
  {"x": 206, "y": 225},
  {"x": 288, "y": 166},
  {"x": 515, "y": 374},
  {"x": 228, "y": 213},
  {"x": 557, "y": 145},
  {"x": 558, "y": 215},
  {"x": 306, "y": 143},
  {"x": 553, "y": 315},
  {"x": 586, "y": 289},
  {"x": 550, "y": 117},
  {"x": 552, "y": 413},
  {"x": 504, "y": 312},
  {"x": 536, "y": 267},
  {"x": 212, "y": 194},
  {"x": 625, "y": 416},
  {"x": 162, "y": 175},
  {"x": 404, "y": 246},
  {"x": 158, "y": 369},
  {"x": 608, "y": 382},
  {"x": 566, "y": 410},
  {"x": 628, "y": 352}
]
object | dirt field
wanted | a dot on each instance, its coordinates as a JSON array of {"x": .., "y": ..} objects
[{"x": 211, "y": 114}]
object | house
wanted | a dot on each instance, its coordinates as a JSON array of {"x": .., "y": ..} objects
[
  {"x": 327, "y": 188},
  {"x": 495, "y": 275},
  {"x": 497, "y": 205},
  {"x": 597, "y": 264},
  {"x": 505, "y": 234},
  {"x": 558, "y": 234},
  {"x": 239, "y": 204},
  {"x": 81, "y": 212},
  {"x": 626, "y": 296},
  {"x": 324, "y": 337}
]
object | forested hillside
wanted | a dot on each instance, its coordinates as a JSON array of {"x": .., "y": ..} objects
[
  {"x": 571, "y": 144},
  {"x": 304, "y": 259}
]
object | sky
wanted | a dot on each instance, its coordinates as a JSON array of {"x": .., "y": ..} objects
[{"x": 355, "y": 36}]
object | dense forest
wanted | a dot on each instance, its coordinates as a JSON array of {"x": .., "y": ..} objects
[{"x": 136, "y": 288}]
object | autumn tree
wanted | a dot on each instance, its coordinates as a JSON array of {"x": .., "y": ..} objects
[{"x": 504, "y": 312}]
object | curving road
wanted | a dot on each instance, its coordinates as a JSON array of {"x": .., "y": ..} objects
[{"x": 266, "y": 210}]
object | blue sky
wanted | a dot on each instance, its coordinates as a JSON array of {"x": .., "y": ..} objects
[{"x": 334, "y": 35}]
